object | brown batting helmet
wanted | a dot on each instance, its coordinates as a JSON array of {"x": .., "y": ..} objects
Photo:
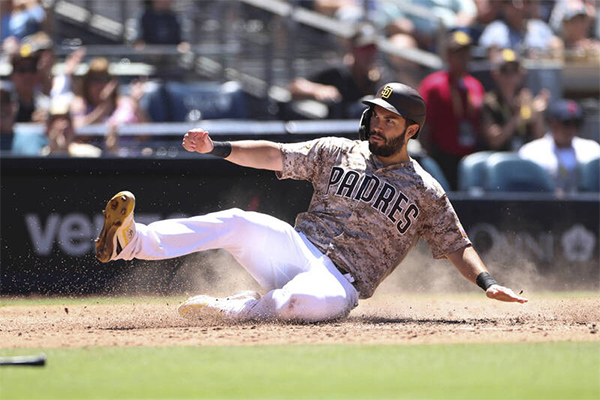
[{"x": 399, "y": 99}]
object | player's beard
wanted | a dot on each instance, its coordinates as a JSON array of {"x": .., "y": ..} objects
[{"x": 390, "y": 147}]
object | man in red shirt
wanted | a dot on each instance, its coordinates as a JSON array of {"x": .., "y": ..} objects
[{"x": 454, "y": 99}]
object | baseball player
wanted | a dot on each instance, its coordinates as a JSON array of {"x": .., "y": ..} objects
[{"x": 370, "y": 206}]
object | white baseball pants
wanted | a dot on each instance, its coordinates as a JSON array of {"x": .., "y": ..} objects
[{"x": 303, "y": 284}]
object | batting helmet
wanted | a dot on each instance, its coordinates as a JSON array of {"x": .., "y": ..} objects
[{"x": 399, "y": 99}]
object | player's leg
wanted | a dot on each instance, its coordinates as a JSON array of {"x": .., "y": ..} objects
[
  {"x": 303, "y": 283},
  {"x": 319, "y": 293},
  {"x": 270, "y": 249}
]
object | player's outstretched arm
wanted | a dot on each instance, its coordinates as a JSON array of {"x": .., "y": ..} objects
[
  {"x": 260, "y": 154},
  {"x": 467, "y": 261}
]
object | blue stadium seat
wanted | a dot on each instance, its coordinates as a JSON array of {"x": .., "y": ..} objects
[
  {"x": 471, "y": 171},
  {"x": 507, "y": 172},
  {"x": 195, "y": 101},
  {"x": 431, "y": 166},
  {"x": 589, "y": 178}
]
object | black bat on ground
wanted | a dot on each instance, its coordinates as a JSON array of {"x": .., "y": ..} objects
[{"x": 38, "y": 360}]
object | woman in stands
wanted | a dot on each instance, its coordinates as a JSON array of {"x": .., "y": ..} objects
[{"x": 100, "y": 101}]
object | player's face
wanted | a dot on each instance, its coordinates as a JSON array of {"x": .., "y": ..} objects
[{"x": 388, "y": 133}]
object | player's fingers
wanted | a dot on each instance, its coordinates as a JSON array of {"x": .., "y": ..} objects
[
  {"x": 203, "y": 135},
  {"x": 194, "y": 134},
  {"x": 504, "y": 294},
  {"x": 188, "y": 142}
]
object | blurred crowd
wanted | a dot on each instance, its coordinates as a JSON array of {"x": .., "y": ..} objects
[{"x": 466, "y": 114}]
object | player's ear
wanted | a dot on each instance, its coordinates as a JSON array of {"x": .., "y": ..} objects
[{"x": 412, "y": 130}]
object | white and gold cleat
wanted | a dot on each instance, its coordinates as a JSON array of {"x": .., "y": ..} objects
[
  {"x": 119, "y": 227},
  {"x": 231, "y": 307}
]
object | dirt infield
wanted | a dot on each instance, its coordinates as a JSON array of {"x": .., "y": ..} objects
[{"x": 384, "y": 320}]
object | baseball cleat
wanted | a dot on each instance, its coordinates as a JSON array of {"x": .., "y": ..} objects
[
  {"x": 230, "y": 307},
  {"x": 119, "y": 226}
]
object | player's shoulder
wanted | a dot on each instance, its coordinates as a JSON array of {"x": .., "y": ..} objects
[
  {"x": 336, "y": 143},
  {"x": 426, "y": 184}
]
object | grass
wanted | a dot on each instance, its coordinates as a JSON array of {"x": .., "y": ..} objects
[{"x": 562, "y": 370}]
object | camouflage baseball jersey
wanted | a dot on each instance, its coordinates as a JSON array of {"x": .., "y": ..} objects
[{"x": 366, "y": 217}]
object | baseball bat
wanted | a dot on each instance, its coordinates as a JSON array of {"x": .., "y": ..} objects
[{"x": 38, "y": 360}]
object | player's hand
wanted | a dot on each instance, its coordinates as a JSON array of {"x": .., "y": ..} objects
[
  {"x": 502, "y": 293},
  {"x": 197, "y": 140}
]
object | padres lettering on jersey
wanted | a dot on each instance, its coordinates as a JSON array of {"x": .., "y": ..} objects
[
  {"x": 369, "y": 189},
  {"x": 364, "y": 216}
]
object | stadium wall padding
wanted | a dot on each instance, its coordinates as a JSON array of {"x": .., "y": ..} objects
[{"x": 51, "y": 212}]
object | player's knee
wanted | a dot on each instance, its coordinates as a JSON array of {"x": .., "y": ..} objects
[
  {"x": 240, "y": 220},
  {"x": 236, "y": 222},
  {"x": 310, "y": 308}
]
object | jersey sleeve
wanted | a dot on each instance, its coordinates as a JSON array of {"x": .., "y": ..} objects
[
  {"x": 442, "y": 229},
  {"x": 301, "y": 161}
]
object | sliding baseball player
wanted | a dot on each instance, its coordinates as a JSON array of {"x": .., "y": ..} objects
[{"x": 371, "y": 204}]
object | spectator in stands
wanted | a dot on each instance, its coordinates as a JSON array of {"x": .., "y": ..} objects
[
  {"x": 32, "y": 103},
  {"x": 62, "y": 83},
  {"x": 159, "y": 24},
  {"x": 487, "y": 12},
  {"x": 575, "y": 31},
  {"x": 561, "y": 150},
  {"x": 100, "y": 101},
  {"x": 7, "y": 114},
  {"x": 529, "y": 37},
  {"x": 5, "y": 12},
  {"x": 61, "y": 133},
  {"x": 406, "y": 71},
  {"x": 511, "y": 116},
  {"x": 21, "y": 18},
  {"x": 425, "y": 26},
  {"x": 561, "y": 7},
  {"x": 342, "y": 86},
  {"x": 42, "y": 48},
  {"x": 453, "y": 99}
]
